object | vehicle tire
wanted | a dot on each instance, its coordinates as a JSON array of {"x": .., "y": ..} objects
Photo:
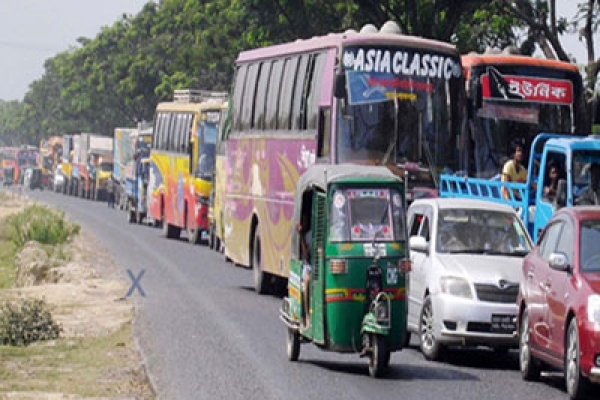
[
  {"x": 430, "y": 347},
  {"x": 194, "y": 236},
  {"x": 131, "y": 216},
  {"x": 406, "y": 339},
  {"x": 80, "y": 190},
  {"x": 211, "y": 238},
  {"x": 577, "y": 385},
  {"x": 170, "y": 231},
  {"x": 529, "y": 366},
  {"x": 139, "y": 217},
  {"x": 293, "y": 344},
  {"x": 379, "y": 358},
  {"x": 260, "y": 277}
]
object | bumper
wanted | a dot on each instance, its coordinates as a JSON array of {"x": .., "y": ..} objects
[
  {"x": 469, "y": 322},
  {"x": 589, "y": 346}
]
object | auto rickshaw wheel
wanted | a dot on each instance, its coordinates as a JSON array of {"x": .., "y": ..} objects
[
  {"x": 260, "y": 277},
  {"x": 430, "y": 347},
  {"x": 211, "y": 237},
  {"x": 293, "y": 344},
  {"x": 379, "y": 357},
  {"x": 194, "y": 236}
]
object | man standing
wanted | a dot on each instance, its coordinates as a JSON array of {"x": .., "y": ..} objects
[{"x": 514, "y": 171}]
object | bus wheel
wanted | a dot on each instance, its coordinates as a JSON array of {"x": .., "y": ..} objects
[
  {"x": 194, "y": 236},
  {"x": 260, "y": 277},
  {"x": 170, "y": 231}
]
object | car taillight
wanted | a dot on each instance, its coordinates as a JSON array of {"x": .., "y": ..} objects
[
  {"x": 405, "y": 265},
  {"x": 338, "y": 266}
]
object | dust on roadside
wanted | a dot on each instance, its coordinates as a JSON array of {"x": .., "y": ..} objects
[{"x": 96, "y": 355}]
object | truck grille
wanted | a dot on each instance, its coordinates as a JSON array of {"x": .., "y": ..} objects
[{"x": 495, "y": 294}]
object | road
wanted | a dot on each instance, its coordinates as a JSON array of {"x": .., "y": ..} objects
[{"x": 206, "y": 335}]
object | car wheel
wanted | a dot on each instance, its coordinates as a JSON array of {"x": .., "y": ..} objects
[
  {"x": 260, "y": 277},
  {"x": 529, "y": 365},
  {"x": 430, "y": 347},
  {"x": 577, "y": 384},
  {"x": 293, "y": 344}
]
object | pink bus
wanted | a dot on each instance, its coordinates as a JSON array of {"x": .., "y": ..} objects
[{"x": 371, "y": 97}]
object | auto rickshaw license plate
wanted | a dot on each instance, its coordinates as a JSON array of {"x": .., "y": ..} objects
[{"x": 503, "y": 323}]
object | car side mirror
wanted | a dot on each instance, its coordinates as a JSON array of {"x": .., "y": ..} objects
[
  {"x": 340, "y": 85},
  {"x": 561, "y": 194},
  {"x": 558, "y": 262},
  {"x": 418, "y": 243}
]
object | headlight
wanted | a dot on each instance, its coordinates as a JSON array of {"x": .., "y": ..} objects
[
  {"x": 455, "y": 286},
  {"x": 593, "y": 309},
  {"x": 381, "y": 312}
]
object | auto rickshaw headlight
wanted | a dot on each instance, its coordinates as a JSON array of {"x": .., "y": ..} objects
[
  {"x": 338, "y": 266},
  {"x": 381, "y": 311},
  {"x": 405, "y": 265}
]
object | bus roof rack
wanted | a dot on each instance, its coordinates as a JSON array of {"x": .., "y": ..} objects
[{"x": 196, "y": 95}]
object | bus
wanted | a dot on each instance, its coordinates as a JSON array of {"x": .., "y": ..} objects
[
  {"x": 182, "y": 161},
  {"x": 512, "y": 98},
  {"x": 16, "y": 159},
  {"x": 374, "y": 97}
]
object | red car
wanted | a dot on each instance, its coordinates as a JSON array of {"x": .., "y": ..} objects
[{"x": 559, "y": 301}]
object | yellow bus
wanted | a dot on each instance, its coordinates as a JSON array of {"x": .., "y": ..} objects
[{"x": 182, "y": 162}]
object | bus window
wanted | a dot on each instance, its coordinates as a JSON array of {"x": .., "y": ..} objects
[
  {"x": 299, "y": 105},
  {"x": 273, "y": 95},
  {"x": 314, "y": 87},
  {"x": 286, "y": 95},
  {"x": 238, "y": 95},
  {"x": 248, "y": 101},
  {"x": 261, "y": 96}
]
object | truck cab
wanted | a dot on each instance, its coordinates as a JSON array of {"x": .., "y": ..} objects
[{"x": 571, "y": 155}]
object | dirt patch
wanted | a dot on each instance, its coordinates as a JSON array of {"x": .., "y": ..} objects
[{"x": 96, "y": 355}]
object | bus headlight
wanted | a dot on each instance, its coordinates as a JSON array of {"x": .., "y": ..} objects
[{"x": 593, "y": 309}]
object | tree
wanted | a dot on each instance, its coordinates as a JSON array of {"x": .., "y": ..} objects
[{"x": 544, "y": 28}]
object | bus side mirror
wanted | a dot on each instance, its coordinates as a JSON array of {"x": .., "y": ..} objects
[{"x": 340, "y": 85}]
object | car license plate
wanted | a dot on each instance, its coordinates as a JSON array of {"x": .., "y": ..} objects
[{"x": 503, "y": 323}]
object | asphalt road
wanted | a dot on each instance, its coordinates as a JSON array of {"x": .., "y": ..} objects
[{"x": 206, "y": 335}]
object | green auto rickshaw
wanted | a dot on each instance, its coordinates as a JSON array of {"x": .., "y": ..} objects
[{"x": 347, "y": 286}]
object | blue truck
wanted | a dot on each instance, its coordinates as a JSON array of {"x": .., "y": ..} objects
[{"x": 573, "y": 155}]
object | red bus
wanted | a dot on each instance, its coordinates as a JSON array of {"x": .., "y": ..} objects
[{"x": 511, "y": 99}]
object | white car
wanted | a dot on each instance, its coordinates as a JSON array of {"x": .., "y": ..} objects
[{"x": 466, "y": 259}]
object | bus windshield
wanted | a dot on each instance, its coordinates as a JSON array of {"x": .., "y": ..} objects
[
  {"x": 402, "y": 106},
  {"x": 514, "y": 105}
]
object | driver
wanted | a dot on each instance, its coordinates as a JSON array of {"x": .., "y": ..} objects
[
  {"x": 305, "y": 233},
  {"x": 591, "y": 194}
]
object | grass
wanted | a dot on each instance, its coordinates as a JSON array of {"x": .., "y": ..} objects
[
  {"x": 8, "y": 251},
  {"x": 85, "y": 366}
]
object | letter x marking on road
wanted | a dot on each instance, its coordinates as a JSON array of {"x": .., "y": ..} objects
[{"x": 135, "y": 283}]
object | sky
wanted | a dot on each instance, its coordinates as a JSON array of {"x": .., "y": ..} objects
[{"x": 31, "y": 31}]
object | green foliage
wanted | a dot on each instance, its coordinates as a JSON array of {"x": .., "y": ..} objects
[
  {"x": 118, "y": 77},
  {"x": 27, "y": 322},
  {"x": 41, "y": 224}
]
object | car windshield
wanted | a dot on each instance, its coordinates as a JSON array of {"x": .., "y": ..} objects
[
  {"x": 589, "y": 249},
  {"x": 481, "y": 232}
]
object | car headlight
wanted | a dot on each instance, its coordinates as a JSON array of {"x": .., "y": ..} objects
[
  {"x": 593, "y": 309},
  {"x": 455, "y": 286}
]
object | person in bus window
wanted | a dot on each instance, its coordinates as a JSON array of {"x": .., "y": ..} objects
[
  {"x": 551, "y": 184},
  {"x": 591, "y": 194},
  {"x": 514, "y": 171}
]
